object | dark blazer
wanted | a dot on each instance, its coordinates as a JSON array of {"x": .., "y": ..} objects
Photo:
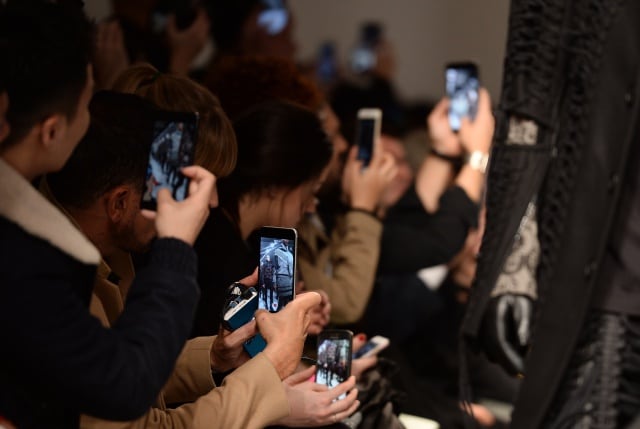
[
  {"x": 57, "y": 360},
  {"x": 577, "y": 202}
]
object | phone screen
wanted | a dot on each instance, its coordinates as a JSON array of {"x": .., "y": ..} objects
[
  {"x": 462, "y": 89},
  {"x": 274, "y": 18},
  {"x": 276, "y": 272},
  {"x": 172, "y": 148},
  {"x": 370, "y": 345},
  {"x": 334, "y": 360},
  {"x": 364, "y": 139}
]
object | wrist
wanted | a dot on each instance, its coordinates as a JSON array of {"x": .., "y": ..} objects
[
  {"x": 454, "y": 160},
  {"x": 477, "y": 160}
]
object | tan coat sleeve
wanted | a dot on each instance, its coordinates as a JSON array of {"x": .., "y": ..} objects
[
  {"x": 251, "y": 397},
  {"x": 352, "y": 257},
  {"x": 191, "y": 377}
]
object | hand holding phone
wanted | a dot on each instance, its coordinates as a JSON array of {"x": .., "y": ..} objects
[
  {"x": 372, "y": 347},
  {"x": 462, "y": 85},
  {"x": 368, "y": 133},
  {"x": 334, "y": 357}
]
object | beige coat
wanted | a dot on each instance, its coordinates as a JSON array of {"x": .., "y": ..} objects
[
  {"x": 251, "y": 397},
  {"x": 344, "y": 265}
]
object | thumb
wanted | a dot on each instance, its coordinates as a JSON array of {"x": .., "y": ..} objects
[
  {"x": 306, "y": 301},
  {"x": 164, "y": 197}
]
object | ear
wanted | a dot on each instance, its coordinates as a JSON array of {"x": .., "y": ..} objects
[
  {"x": 118, "y": 202},
  {"x": 52, "y": 130}
]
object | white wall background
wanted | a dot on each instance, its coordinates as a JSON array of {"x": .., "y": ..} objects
[{"x": 425, "y": 34}]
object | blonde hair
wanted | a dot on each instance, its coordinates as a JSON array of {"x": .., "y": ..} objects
[{"x": 217, "y": 149}]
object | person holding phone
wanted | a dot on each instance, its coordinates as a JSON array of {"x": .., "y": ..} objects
[{"x": 57, "y": 360}]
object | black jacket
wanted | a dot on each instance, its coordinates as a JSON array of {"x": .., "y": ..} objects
[
  {"x": 578, "y": 200},
  {"x": 56, "y": 360}
]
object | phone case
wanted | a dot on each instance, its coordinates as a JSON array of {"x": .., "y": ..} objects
[{"x": 334, "y": 357}]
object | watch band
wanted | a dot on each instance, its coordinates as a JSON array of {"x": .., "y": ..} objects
[{"x": 478, "y": 160}]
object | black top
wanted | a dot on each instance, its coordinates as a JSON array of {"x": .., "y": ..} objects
[
  {"x": 58, "y": 361},
  {"x": 413, "y": 239},
  {"x": 225, "y": 258}
]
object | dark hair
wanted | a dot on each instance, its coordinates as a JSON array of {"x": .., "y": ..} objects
[
  {"x": 114, "y": 151},
  {"x": 47, "y": 48},
  {"x": 227, "y": 21},
  {"x": 241, "y": 82},
  {"x": 280, "y": 145}
]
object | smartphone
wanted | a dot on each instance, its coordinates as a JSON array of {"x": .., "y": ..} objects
[
  {"x": 277, "y": 267},
  {"x": 372, "y": 347},
  {"x": 327, "y": 65},
  {"x": 172, "y": 148},
  {"x": 241, "y": 311},
  {"x": 334, "y": 357},
  {"x": 462, "y": 87},
  {"x": 363, "y": 57},
  {"x": 368, "y": 133},
  {"x": 274, "y": 16}
]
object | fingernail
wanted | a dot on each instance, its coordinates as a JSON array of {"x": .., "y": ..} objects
[{"x": 361, "y": 337}]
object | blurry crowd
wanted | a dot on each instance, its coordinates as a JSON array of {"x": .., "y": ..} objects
[{"x": 110, "y": 314}]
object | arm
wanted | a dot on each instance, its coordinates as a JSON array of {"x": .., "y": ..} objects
[
  {"x": 251, "y": 397},
  {"x": 353, "y": 256}
]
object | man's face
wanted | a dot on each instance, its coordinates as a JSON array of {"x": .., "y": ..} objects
[{"x": 134, "y": 232}]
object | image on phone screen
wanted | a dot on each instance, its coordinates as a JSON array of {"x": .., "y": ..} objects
[
  {"x": 334, "y": 361},
  {"x": 276, "y": 273},
  {"x": 462, "y": 89},
  {"x": 172, "y": 148},
  {"x": 364, "y": 139},
  {"x": 274, "y": 18}
]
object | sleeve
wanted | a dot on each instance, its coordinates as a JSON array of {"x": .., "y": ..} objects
[
  {"x": 409, "y": 246},
  {"x": 251, "y": 397},
  {"x": 62, "y": 351},
  {"x": 354, "y": 258},
  {"x": 191, "y": 377}
]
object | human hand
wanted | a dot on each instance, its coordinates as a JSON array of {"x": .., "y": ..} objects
[
  {"x": 477, "y": 135},
  {"x": 365, "y": 187},
  {"x": 320, "y": 314},
  {"x": 185, "y": 45},
  {"x": 443, "y": 140},
  {"x": 312, "y": 404},
  {"x": 506, "y": 331},
  {"x": 227, "y": 351},
  {"x": 286, "y": 331},
  {"x": 184, "y": 219},
  {"x": 110, "y": 57},
  {"x": 361, "y": 365}
]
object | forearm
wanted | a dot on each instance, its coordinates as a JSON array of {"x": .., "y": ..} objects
[
  {"x": 353, "y": 258},
  {"x": 191, "y": 377},
  {"x": 433, "y": 178}
]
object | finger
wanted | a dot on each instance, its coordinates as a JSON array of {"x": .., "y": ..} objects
[
  {"x": 345, "y": 404},
  {"x": 305, "y": 301},
  {"x": 344, "y": 387},
  {"x": 172, "y": 29},
  {"x": 439, "y": 109},
  {"x": 118, "y": 37},
  {"x": 242, "y": 334},
  {"x": 250, "y": 280},
  {"x": 299, "y": 377},
  {"x": 213, "y": 201},
  {"x": 164, "y": 197},
  {"x": 359, "y": 341},
  {"x": 148, "y": 214},
  {"x": 352, "y": 409}
]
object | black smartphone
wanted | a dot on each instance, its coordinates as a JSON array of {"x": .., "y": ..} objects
[
  {"x": 368, "y": 133},
  {"x": 363, "y": 58},
  {"x": 462, "y": 86},
  {"x": 372, "y": 347},
  {"x": 334, "y": 357},
  {"x": 172, "y": 148},
  {"x": 277, "y": 267},
  {"x": 327, "y": 65}
]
